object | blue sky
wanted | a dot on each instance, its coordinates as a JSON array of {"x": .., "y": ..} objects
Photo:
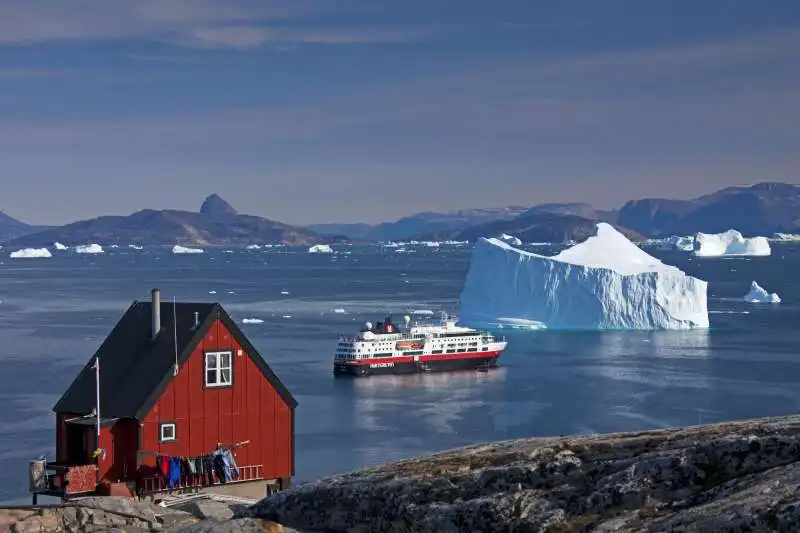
[{"x": 367, "y": 110}]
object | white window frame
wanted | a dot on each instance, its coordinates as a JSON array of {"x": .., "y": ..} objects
[
  {"x": 164, "y": 426},
  {"x": 218, "y": 368}
]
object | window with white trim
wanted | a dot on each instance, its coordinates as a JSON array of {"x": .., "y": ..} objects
[
  {"x": 219, "y": 370},
  {"x": 166, "y": 432}
]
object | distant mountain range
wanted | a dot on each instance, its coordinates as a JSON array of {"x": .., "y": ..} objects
[
  {"x": 420, "y": 224},
  {"x": 217, "y": 222},
  {"x": 761, "y": 209},
  {"x": 11, "y": 228}
]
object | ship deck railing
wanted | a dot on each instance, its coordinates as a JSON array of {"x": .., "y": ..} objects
[{"x": 403, "y": 336}]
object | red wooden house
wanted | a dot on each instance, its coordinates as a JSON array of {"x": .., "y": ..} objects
[{"x": 175, "y": 380}]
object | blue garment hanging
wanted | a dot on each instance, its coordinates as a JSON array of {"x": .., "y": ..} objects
[
  {"x": 230, "y": 464},
  {"x": 174, "y": 478}
]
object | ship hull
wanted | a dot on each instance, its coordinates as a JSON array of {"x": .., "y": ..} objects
[{"x": 415, "y": 367}]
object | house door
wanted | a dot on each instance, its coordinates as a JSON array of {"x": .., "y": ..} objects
[{"x": 81, "y": 443}]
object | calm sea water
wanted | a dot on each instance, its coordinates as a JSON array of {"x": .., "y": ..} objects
[{"x": 55, "y": 312}]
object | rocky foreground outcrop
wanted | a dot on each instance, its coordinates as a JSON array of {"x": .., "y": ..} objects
[
  {"x": 118, "y": 515},
  {"x": 741, "y": 476},
  {"x": 732, "y": 477}
]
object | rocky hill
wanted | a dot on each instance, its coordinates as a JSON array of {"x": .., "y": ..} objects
[
  {"x": 534, "y": 226},
  {"x": 11, "y": 228},
  {"x": 762, "y": 209},
  {"x": 420, "y": 224},
  {"x": 729, "y": 477},
  {"x": 217, "y": 222},
  {"x": 740, "y": 476}
]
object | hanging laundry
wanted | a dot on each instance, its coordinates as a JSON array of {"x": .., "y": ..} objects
[
  {"x": 230, "y": 464},
  {"x": 192, "y": 464},
  {"x": 163, "y": 463},
  {"x": 208, "y": 468},
  {"x": 222, "y": 470},
  {"x": 174, "y": 479}
]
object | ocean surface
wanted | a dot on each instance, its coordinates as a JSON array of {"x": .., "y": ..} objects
[{"x": 55, "y": 312}]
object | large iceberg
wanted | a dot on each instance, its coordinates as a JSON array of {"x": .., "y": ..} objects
[
  {"x": 605, "y": 282},
  {"x": 729, "y": 243},
  {"x": 758, "y": 295}
]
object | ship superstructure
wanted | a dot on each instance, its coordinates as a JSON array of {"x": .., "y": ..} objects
[{"x": 421, "y": 344}]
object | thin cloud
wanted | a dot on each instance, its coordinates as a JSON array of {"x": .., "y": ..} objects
[
  {"x": 158, "y": 58},
  {"x": 253, "y": 36},
  {"x": 555, "y": 103},
  {"x": 195, "y": 23},
  {"x": 11, "y": 73}
]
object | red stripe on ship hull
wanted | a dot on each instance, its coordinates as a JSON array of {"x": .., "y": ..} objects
[{"x": 424, "y": 358}]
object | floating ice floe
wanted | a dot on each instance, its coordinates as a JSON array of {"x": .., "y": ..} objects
[
  {"x": 510, "y": 239},
  {"x": 184, "y": 250},
  {"x": 93, "y": 248},
  {"x": 682, "y": 244},
  {"x": 786, "y": 237},
  {"x": 30, "y": 253},
  {"x": 339, "y": 311},
  {"x": 252, "y": 321},
  {"x": 60, "y": 246},
  {"x": 284, "y": 292},
  {"x": 758, "y": 295},
  {"x": 252, "y": 247},
  {"x": 730, "y": 243},
  {"x": 321, "y": 249},
  {"x": 605, "y": 282}
]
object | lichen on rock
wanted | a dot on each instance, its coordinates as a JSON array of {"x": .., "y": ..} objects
[{"x": 723, "y": 477}]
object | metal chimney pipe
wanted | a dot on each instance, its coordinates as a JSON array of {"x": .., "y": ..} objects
[{"x": 156, "y": 294}]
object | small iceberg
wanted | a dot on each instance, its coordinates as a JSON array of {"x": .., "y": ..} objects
[
  {"x": 758, "y": 295},
  {"x": 510, "y": 239},
  {"x": 786, "y": 237},
  {"x": 135, "y": 247},
  {"x": 252, "y": 247},
  {"x": 31, "y": 253},
  {"x": 340, "y": 311},
  {"x": 729, "y": 243},
  {"x": 284, "y": 292},
  {"x": 675, "y": 242},
  {"x": 59, "y": 246},
  {"x": 184, "y": 250},
  {"x": 252, "y": 321},
  {"x": 93, "y": 248},
  {"x": 321, "y": 249}
]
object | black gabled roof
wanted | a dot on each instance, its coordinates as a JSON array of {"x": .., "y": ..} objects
[{"x": 135, "y": 370}]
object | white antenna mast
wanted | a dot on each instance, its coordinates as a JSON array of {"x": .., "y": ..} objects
[{"x": 175, "y": 334}]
